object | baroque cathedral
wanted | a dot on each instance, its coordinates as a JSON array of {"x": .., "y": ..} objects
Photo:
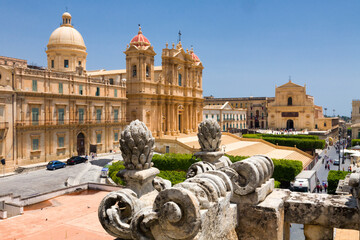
[{"x": 64, "y": 110}]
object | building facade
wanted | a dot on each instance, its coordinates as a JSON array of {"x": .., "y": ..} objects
[
  {"x": 229, "y": 118},
  {"x": 355, "y": 119},
  {"x": 64, "y": 110},
  {"x": 167, "y": 98},
  {"x": 294, "y": 109},
  {"x": 256, "y": 108}
]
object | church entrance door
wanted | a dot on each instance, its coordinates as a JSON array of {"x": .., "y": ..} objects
[{"x": 290, "y": 124}]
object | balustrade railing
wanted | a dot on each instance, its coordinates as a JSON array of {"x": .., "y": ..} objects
[{"x": 60, "y": 122}]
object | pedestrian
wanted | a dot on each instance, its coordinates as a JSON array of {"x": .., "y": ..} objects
[
  {"x": 325, "y": 187},
  {"x": 318, "y": 188},
  {"x": 329, "y": 166},
  {"x": 92, "y": 156},
  {"x": 326, "y": 166}
]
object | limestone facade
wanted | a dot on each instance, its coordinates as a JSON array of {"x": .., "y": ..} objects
[
  {"x": 294, "y": 109},
  {"x": 228, "y": 118},
  {"x": 64, "y": 110},
  {"x": 256, "y": 108},
  {"x": 355, "y": 119},
  {"x": 167, "y": 98}
]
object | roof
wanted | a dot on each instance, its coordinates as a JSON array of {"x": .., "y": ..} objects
[
  {"x": 139, "y": 39},
  {"x": 289, "y": 84}
]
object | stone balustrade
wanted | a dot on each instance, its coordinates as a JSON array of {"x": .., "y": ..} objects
[{"x": 218, "y": 200}]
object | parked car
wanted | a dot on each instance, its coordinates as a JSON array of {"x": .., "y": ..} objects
[
  {"x": 104, "y": 172},
  {"x": 52, "y": 165},
  {"x": 336, "y": 162},
  {"x": 76, "y": 160}
]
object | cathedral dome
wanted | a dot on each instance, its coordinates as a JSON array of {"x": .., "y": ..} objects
[
  {"x": 195, "y": 57},
  {"x": 67, "y": 35},
  {"x": 140, "y": 40}
]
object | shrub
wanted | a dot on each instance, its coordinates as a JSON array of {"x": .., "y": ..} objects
[
  {"x": 173, "y": 176},
  {"x": 113, "y": 170},
  {"x": 259, "y": 135},
  {"x": 277, "y": 184},
  {"x": 333, "y": 179},
  {"x": 355, "y": 142},
  {"x": 286, "y": 170},
  {"x": 251, "y": 135},
  {"x": 173, "y": 161},
  {"x": 235, "y": 158},
  {"x": 303, "y": 142}
]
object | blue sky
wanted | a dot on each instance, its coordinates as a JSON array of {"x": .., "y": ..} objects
[{"x": 247, "y": 47}]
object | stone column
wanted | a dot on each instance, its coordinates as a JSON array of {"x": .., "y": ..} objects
[
  {"x": 186, "y": 118},
  {"x": 167, "y": 119},
  {"x": 286, "y": 231},
  {"x": 172, "y": 119},
  {"x": 317, "y": 232}
]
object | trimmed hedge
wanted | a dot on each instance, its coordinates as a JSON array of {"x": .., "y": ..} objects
[
  {"x": 303, "y": 142},
  {"x": 113, "y": 170},
  {"x": 259, "y": 135},
  {"x": 235, "y": 158},
  {"x": 355, "y": 142},
  {"x": 173, "y": 161},
  {"x": 333, "y": 179},
  {"x": 286, "y": 170},
  {"x": 173, "y": 176},
  {"x": 277, "y": 184}
]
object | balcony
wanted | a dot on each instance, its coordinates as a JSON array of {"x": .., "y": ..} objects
[{"x": 64, "y": 122}]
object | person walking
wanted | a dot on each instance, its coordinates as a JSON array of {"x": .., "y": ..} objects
[
  {"x": 325, "y": 187},
  {"x": 318, "y": 188},
  {"x": 329, "y": 166},
  {"x": 326, "y": 166}
]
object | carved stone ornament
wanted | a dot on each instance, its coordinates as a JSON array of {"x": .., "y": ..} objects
[
  {"x": 209, "y": 135},
  {"x": 137, "y": 146}
]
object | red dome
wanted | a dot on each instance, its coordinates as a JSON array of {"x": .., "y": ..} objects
[
  {"x": 140, "y": 39},
  {"x": 196, "y": 58}
]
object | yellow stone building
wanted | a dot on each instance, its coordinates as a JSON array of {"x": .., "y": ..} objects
[
  {"x": 167, "y": 98},
  {"x": 64, "y": 110},
  {"x": 294, "y": 109}
]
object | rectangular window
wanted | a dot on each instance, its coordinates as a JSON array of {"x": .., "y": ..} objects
[
  {"x": 98, "y": 115},
  {"x": 66, "y": 63},
  {"x": 115, "y": 92},
  {"x": 61, "y": 113},
  {"x": 52, "y": 64},
  {"x": 34, "y": 85},
  {"x": 206, "y": 116},
  {"x": 147, "y": 71},
  {"x": 81, "y": 115},
  {"x": 60, "y": 142},
  {"x": 79, "y": 63},
  {"x": 116, "y": 136},
  {"x": 35, "y": 116},
  {"x": 116, "y": 115},
  {"x": 98, "y": 138},
  {"x": 35, "y": 144},
  {"x": 81, "y": 89},
  {"x": 97, "y": 91},
  {"x": 61, "y": 88},
  {"x": 180, "y": 83},
  {"x": 111, "y": 81}
]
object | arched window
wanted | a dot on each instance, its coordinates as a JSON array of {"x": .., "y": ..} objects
[
  {"x": 134, "y": 71},
  {"x": 290, "y": 101},
  {"x": 180, "y": 83},
  {"x": 147, "y": 71}
]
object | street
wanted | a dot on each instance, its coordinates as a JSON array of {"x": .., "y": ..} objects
[
  {"x": 41, "y": 181},
  {"x": 297, "y": 230}
]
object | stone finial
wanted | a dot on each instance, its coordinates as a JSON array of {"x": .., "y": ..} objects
[
  {"x": 209, "y": 135},
  {"x": 137, "y": 146}
]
